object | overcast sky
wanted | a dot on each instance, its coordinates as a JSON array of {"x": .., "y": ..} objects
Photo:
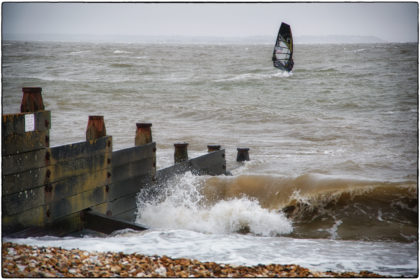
[{"x": 394, "y": 22}]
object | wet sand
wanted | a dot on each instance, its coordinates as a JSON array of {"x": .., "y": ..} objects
[{"x": 28, "y": 261}]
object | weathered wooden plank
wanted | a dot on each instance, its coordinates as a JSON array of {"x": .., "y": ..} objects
[
  {"x": 58, "y": 227},
  {"x": 63, "y": 169},
  {"x": 41, "y": 176},
  {"x": 129, "y": 186},
  {"x": 213, "y": 163},
  {"x": 100, "y": 208},
  {"x": 24, "y": 181},
  {"x": 122, "y": 157},
  {"x": 76, "y": 203},
  {"x": 15, "y": 163},
  {"x": 24, "y": 161},
  {"x": 133, "y": 169},
  {"x": 34, "y": 217},
  {"x": 24, "y": 200},
  {"x": 65, "y": 225},
  {"x": 61, "y": 227},
  {"x": 22, "y": 122},
  {"x": 105, "y": 224},
  {"x": 29, "y": 141},
  {"x": 123, "y": 204},
  {"x": 77, "y": 184},
  {"x": 81, "y": 150},
  {"x": 165, "y": 174},
  {"x": 129, "y": 215}
]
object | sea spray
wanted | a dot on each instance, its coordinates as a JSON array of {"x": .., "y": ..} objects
[{"x": 181, "y": 205}]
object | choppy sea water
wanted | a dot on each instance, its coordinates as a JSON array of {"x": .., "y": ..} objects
[{"x": 332, "y": 181}]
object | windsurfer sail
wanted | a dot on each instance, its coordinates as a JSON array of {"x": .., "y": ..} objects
[{"x": 283, "y": 50}]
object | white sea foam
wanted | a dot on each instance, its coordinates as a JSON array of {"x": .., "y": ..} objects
[
  {"x": 120, "y": 52},
  {"x": 257, "y": 76},
  {"x": 334, "y": 228},
  {"x": 184, "y": 207}
]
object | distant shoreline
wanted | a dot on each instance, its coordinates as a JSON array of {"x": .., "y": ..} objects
[
  {"x": 330, "y": 39},
  {"x": 192, "y": 43}
]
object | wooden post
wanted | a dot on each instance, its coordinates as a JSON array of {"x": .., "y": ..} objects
[
  {"x": 31, "y": 100},
  {"x": 143, "y": 134},
  {"x": 243, "y": 154},
  {"x": 181, "y": 152},
  {"x": 213, "y": 148},
  {"x": 95, "y": 128}
]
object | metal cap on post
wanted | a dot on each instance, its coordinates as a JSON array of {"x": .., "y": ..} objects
[
  {"x": 95, "y": 128},
  {"x": 31, "y": 100},
  {"x": 143, "y": 134},
  {"x": 181, "y": 152},
  {"x": 213, "y": 148},
  {"x": 243, "y": 154}
]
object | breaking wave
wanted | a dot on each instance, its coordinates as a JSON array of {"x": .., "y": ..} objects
[
  {"x": 308, "y": 206},
  {"x": 184, "y": 206}
]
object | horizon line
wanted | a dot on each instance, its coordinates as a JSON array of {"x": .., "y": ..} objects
[{"x": 54, "y": 37}]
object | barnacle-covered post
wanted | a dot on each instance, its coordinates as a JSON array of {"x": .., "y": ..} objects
[
  {"x": 243, "y": 154},
  {"x": 181, "y": 152},
  {"x": 95, "y": 128},
  {"x": 31, "y": 100},
  {"x": 143, "y": 134}
]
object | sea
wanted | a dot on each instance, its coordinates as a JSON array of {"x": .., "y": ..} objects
[{"x": 332, "y": 181}]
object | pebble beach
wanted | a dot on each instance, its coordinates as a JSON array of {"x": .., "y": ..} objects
[{"x": 31, "y": 261}]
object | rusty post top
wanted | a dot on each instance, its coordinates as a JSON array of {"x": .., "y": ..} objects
[
  {"x": 95, "y": 128},
  {"x": 143, "y": 134},
  {"x": 212, "y": 148},
  {"x": 96, "y": 118},
  {"x": 31, "y": 100},
  {"x": 32, "y": 89},
  {"x": 181, "y": 145},
  {"x": 143, "y": 125}
]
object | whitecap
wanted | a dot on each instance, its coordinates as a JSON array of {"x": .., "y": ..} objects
[
  {"x": 120, "y": 52},
  {"x": 257, "y": 76},
  {"x": 183, "y": 207}
]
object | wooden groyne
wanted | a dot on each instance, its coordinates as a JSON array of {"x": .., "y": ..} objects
[{"x": 83, "y": 185}]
